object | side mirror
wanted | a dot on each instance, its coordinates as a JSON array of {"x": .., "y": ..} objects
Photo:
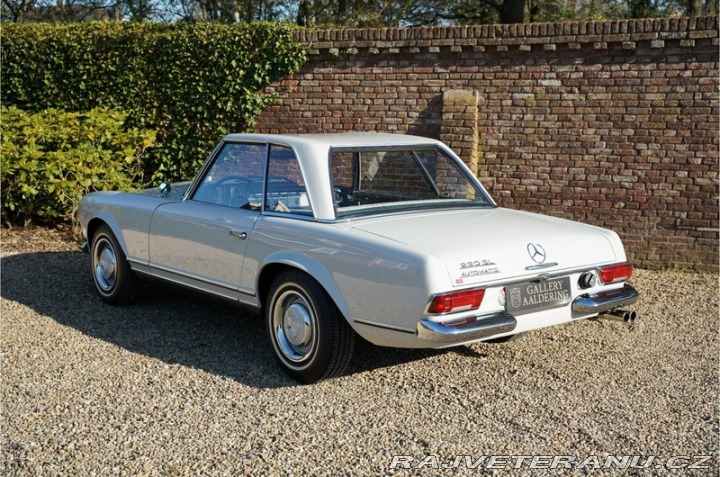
[{"x": 164, "y": 189}]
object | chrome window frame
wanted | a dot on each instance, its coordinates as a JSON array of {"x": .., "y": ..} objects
[{"x": 214, "y": 154}]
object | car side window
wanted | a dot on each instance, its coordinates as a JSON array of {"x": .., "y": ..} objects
[
  {"x": 286, "y": 191},
  {"x": 235, "y": 179}
]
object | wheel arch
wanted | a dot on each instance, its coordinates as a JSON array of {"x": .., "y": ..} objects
[
  {"x": 277, "y": 263},
  {"x": 108, "y": 220}
]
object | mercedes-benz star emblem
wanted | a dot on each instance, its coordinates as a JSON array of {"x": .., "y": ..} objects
[{"x": 537, "y": 253}]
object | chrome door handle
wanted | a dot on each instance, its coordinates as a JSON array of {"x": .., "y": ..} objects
[{"x": 240, "y": 235}]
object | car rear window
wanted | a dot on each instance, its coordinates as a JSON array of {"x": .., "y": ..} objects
[{"x": 377, "y": 180}]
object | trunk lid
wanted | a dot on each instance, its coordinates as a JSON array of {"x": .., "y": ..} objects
[{"x": 479, "y": 245}]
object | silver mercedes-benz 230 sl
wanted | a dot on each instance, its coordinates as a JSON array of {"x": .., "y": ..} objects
[{"x": 387, "y": 236}]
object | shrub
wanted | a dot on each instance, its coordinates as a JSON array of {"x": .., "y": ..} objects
[
  {"x": 191, "y": 83},
  {"x": 52, "y": 158}
]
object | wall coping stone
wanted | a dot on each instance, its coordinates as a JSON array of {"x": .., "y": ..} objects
[{"x": 473, "y": 37}]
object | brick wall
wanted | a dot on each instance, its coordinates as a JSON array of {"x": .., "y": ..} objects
[{"x": 611, "y": 123}]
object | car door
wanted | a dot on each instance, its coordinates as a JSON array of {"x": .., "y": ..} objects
[{"x": 201, "y": 240}]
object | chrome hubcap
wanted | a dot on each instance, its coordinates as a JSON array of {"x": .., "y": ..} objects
[
  {"x": 105, "y": 265},
  {"x": 294, "y": 326}
]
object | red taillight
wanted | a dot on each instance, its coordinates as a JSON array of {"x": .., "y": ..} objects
[
  {"x": 616, "y": 273},
  {"x": 457, "y": 301}
]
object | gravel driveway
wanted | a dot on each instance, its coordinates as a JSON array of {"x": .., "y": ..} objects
[{"x": 180, "y": 385}]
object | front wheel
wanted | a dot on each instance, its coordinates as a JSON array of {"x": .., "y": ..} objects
[
  {"x": 115, "y": 282},
  {"x": 308, "y": 334}
]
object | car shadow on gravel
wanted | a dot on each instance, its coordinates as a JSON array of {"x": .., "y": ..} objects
[{"x": 170, "y": 324}]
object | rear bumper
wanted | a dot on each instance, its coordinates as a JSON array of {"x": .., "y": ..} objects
[
  {"x": 482, "y": 327},
  {"x": 605, "y": 301},
  {"x": 488, "y": 326}
]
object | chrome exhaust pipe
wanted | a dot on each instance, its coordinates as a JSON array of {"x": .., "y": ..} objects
[{"x": 627, "y": 317}]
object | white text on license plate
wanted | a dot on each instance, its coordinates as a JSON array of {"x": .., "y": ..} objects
[{"x": 540, "y": 295}]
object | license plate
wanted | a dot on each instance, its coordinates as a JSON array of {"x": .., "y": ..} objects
[{"x": 536, "y": 296}]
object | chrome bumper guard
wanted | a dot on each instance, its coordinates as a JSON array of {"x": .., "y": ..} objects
[
  {"x": 482, "y": 327},
  {"x": 605, "y": 301}
]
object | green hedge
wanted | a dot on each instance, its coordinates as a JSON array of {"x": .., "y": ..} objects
[
  {"x": 52, "y": 158},
  {"x": 191, "y": 83}
]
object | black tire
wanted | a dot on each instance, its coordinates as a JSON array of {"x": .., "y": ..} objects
[
  {"x": 308, "y": 335},
  {"x": 114, "y": 281}
]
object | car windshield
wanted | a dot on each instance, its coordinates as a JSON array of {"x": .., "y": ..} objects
[{"x": 381, "y": 180}]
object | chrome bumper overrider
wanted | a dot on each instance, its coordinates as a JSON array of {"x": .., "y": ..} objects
[
  {"x": 483, "y": 327},
  {"x": 605, "y": 301}
]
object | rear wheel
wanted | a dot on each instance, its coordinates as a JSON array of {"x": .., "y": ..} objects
[
  {"x": 308, "y": 334},
  {"x": 115, "y": 282}
]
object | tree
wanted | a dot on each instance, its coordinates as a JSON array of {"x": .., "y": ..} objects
[
  {"x": 377, "y": 13},
  {"x": 12, "y": 10},
  {"x": 351, "y": 13},
  {"x": 512, "y": 11},
  {"x": 86, "y": 10},
  {"x": 695, "y": 8},
  {"x": 232, "y": 11}
]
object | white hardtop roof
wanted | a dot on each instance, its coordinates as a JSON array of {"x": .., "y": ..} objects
[
  {"x": 348, "y": 139},
  {"x": 312, "y": 153}
]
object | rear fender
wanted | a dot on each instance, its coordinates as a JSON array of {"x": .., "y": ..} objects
[{"x": 313, "y": 268}]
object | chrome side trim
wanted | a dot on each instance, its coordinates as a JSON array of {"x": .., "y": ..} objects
[
  {"x": 172, "y": 272},
  {"x": 605, "y": 301},
  {"x": 217, "y": 291},
  {"x": 290, "y": 215},
  {"x": 482, "y": 327},
  {"x": 383, "y": 325},
  {"x": 139, "y": 266},
  {"x": 541, "y": 266},
  {"x": 544, "y": 276}
]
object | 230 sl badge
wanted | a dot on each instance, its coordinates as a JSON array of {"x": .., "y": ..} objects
[
  {"x": 476, "y": 264},
  {"x": 476, "y": 268}
]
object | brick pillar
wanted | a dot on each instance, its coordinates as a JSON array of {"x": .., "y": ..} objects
[{"x": 459, "y": 128}]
